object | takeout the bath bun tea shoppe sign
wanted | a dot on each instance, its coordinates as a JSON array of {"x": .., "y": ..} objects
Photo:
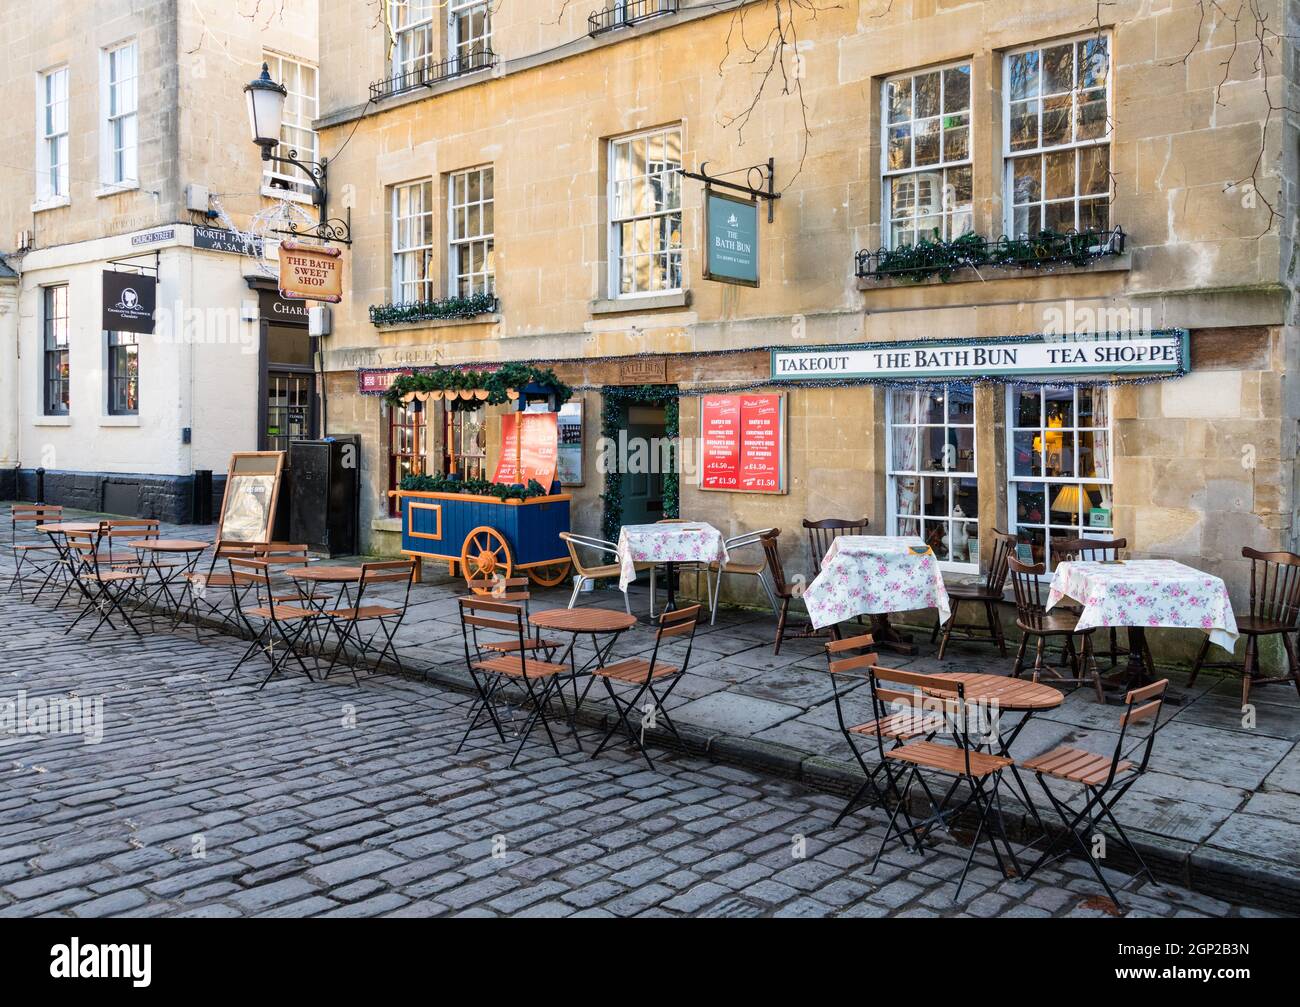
[{"x": 311, "y": 272}]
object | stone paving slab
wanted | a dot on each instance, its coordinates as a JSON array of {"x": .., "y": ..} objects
[{"x": 745, "y": 704}]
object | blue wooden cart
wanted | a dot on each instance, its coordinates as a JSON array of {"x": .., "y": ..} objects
[{"x": 484, "y": 537}]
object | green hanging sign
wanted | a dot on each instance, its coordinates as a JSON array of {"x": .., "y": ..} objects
[{"x": 731, "y": 233}]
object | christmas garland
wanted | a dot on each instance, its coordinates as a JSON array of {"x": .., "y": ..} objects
[
  {"x": 473, "y": 487},
  {"x": 496, "y": 383},
  {"x": 426, "y": 311},
  {"x": 928, "y": 258},
  {"x": 612, "y": 419}
]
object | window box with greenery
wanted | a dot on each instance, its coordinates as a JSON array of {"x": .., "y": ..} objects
[{"x": 440, "y": 309}]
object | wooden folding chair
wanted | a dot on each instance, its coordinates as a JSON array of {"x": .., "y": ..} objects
[
  {"x": 494, "y": 673},
  {"x": 102, "y": 589},
  {"x": 367, "y": 619},
  {"x": 121, "y": 532},
  {"x": 649, "y": 677},
  {"x": 843, "y": 657},
  {"x": 281, "y": 626},
  {"x": 962, "y": 763},
  {"x": 215, "y": 583},
  {"x": 1102, "y": 782},
  {"x": 514, "y": 591},
  {"x": 42, "y": 559}
]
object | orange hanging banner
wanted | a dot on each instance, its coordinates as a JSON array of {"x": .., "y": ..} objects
[{"x": 535, "y": 455}]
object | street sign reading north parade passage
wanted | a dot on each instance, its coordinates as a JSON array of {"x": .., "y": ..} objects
[
  {"x": 731, "y": 231},
  {"x": 129, "y": 300},
  {"x": 1161, "y": 351}
]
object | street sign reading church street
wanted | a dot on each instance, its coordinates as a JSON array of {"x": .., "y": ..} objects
[
  {"x": 1163, "y": 351},
  {"x": 731, "y": 230}
]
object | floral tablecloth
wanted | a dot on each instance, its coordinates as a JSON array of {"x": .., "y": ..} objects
[
  {"x": 1147, "y": 593},
  {"x": 687, "y": 542},
  {"x": 875, "y": 575}
]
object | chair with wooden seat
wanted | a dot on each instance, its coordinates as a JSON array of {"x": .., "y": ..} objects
[
  {"x": 649, "y": 677},
  {"x": 783, "y": 591},
  {"x": 988, "y": 594},
  {"x": 218, "y": 582},
  {"x": 277, "y": 629},
  {"x": 1095, "y": 550},
  {"x": 495, "y": 674},
  {"x": 369, "y": 619},
  {"x": 1101, "y": 781},
  {"x": 1037, "y": 624},
  {"x": 590, "y": 573},
  {"x": 823, "y": 532},
  {"x": 121, "y": 533},
  {"x": 34, "y": 560},
  {"x": 843, "y": 657},
  {"x": 515, "y": 591},
  {"x": 102, "y": 588},
  {"x": 740, "y": 569},
  {"x": 1274, "y": 611},
  {"x": 962, "y": 762}
]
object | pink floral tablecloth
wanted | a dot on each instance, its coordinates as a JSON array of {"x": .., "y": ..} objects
[
  {"x": 688, "y": 542},
  {"x": 875, "y": 575},
  {"x": 1147, "y": 593}
]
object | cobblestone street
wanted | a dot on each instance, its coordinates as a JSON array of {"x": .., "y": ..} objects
[{"x": 211, "y": 799}]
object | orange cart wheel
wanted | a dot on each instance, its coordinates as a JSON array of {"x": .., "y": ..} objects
[
  {"x": 550, "y": 574},
  {"x": 485, "y": 555}
]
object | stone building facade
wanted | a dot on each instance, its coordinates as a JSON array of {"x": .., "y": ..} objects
[
  {"x": 127, "y": 152},
  {"x": 902, "y": 122}
]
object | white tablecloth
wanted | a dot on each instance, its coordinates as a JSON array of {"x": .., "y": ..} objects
[
  {"x": 687, "y": 542},
  {"x": 1147, "y": 593},
  {"x": 875, "y": 575}
]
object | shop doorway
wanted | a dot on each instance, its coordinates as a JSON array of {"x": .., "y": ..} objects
[
  {"x": 641, "y": 458},
  {"x": 289, "y": 401}
]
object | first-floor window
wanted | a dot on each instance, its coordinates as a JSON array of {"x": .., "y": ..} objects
[
  {"x": 646, "y": 212},
  {"x": 465, "y": 443},
  {"x": 411, "y": 22},
  {"x": 471, "y": 33},
  {"x": 472, "y": 205},
  {"x": 123, "y": 373},
  {"x": 1059, "y": 442},
  {"x": 406, "y": 437},
  {"x": 413, "y": 242},
  {"x": 54, "y": 322},
  {"x": 52, "y": 134},
  {"x": 933, "y": 494}
]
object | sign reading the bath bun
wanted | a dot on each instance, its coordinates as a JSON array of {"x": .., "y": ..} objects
[
  {"x": 1155, "y": 352},
  {"x": 311, "y": 272},
  {"x": 129, "y": 302},
  {"x": 743, "y": 443}
]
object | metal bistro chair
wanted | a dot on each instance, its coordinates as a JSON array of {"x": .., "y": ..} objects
[
  {"x": 1096, "y": 550},
  {"x": 282, "y": 625},
  {"x": 514, "y": 591},
  {"x": 988, "y": 594},
  {"x": 782, "y": 590},
  {"x": 102, "y": 589},
  {"x": 962, "y": 762},
  {"x": 588, "y": 573},
  {"x": 122, "y": 532},
  {"x": 493, "y": 672},
  {"x": 211, "y": 584},
  {"x": 1034, "y": 621},
  {"x": 823, "y": 532},
  {"x": 1274, "y": 611},
  {"x": 1103, "y": 781},
  {"x": 645, "y": 675},
  {"x": 42, "y": 559},
  {"x": 759, "y": 570},
  {"x": 897, "y": 727},
  {"x": 365, "y": 621}
]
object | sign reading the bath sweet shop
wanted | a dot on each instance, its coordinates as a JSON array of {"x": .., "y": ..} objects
[
  {"x": 310, "y": 272},
  {"x": 1161, "y": 351}
]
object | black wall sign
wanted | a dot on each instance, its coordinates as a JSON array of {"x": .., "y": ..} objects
[
  {"x": 129, "y": 300},
  {"x": 221, "y": 239}
]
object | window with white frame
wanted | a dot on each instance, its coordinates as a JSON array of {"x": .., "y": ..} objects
[
  {"x": 470, "y": 33},
  {"x": 1059, "y": 441},
  {"x": 120, "y": 137},
  {"x": 933, "y": 493},
  {"x": 927, "y": 156},
  {"x": 646, "y": 213},
  {"x": 1057, "y": 137},
  {"x": 411, "y": 22},
  {"x": 471, "y": 205},
  {"x": 299, "y": 79},
  {"x": 57, "y": 371},
  {"x": 52, "y": 135},
  {"x": 413, "y": 242}
]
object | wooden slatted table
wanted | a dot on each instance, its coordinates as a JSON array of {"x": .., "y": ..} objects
[{"x": 1013, "y": 694}]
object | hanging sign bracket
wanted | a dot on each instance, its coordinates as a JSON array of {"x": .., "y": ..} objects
[{"x": 762, "y": 174}]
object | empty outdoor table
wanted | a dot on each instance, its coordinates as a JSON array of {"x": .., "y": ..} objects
[
  {"x": 57, "y": 530},
  {"x": 1146, "y": 593},
  {"x": 669, "y": 543},
  {"x": 164, "y": 577},
  {"x": 593, "y": 622},
  {"x": 875, "y": 575}
]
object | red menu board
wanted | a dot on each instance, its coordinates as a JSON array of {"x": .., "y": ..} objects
[
  {"x": 539, "y": 453},
  {"x": 743, "y": 437}
]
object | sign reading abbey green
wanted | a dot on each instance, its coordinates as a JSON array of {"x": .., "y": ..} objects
[
  {"x": 731, "y": 231},
  {"x": 1162, "y": 351}
]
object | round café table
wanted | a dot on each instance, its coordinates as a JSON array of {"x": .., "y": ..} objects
[
  {"x": 58, "y": 532},
  {"x": 585, "y": 621},
  {"x": 344, "y": 577},
  {"x": 188, "y": 549}
]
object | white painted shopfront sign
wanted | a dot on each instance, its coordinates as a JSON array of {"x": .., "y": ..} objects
[{"x": 1163, "y": 351}]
